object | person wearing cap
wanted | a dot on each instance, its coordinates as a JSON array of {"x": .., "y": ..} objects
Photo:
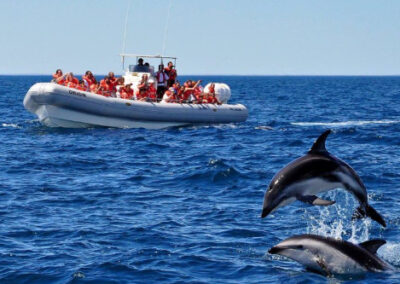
[
  {"x": 170, "y": 96},
  {"x": 152, "y": 92},
  {"x": 172, "y": 74},
  {"x": 162, "y": 78}
]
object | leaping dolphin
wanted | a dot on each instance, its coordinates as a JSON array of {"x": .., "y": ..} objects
[
  {"x": 318, "y": 171},
  {"x": 330, "y": 256}
]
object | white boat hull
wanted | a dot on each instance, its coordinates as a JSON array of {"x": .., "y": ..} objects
[{"x": 59, "y": 106}]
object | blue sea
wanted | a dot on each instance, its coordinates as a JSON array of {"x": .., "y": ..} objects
[{"x": 183, "y": 205}]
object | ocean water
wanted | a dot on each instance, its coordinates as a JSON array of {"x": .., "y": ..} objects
[{"x": 182, "y": 205}]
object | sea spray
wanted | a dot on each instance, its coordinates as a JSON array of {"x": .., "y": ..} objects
[{"x": 335, "y": 220}]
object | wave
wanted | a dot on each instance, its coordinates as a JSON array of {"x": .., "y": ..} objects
[
  {"x": 346, "y": 123},
  {"x": 11, "y": 125}
]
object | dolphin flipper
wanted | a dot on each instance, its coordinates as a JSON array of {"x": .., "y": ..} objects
[
  {"x": 321, "y": 263},
  {"x": 369, "y": 212},
  {"x": 315, "y": 200}
]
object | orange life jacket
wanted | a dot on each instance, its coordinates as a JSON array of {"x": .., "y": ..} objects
[
  {"x": 152, "y": 93},
  {"x": 70, "y": 84},
  {"x": 89, "y": 81},
  {"x": 79, "y": 87},
  {"x": 126, "y": 94}
]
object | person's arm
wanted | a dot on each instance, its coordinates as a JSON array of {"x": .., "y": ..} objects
[{"x": 61, "y": 78}]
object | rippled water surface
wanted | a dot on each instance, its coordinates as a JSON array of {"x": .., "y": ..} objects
[{"x": 184, "y": 204}]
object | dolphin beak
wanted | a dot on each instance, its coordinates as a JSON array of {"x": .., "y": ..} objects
[
  {"x": 274, "y": 250},
  {"x": 265, "y": 212}
]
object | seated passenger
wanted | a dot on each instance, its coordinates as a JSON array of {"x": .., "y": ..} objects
[
  {"x": 119, "y": 86},
  {"x": 188, "y": 92},
  {"x": 126, "y": 92},
  {"x": 70, "y": 80},
  {"x": 140, "y": 62},
  {"x": 152, "y": 92},
  {"x": 57, "y": 75},
  {"x": 108, "y": 87},
  {"x": 143, "y": 87},
  {"x": 210, "y": 96},
  {"x": 82, "y": 86},
  {"x": 140, "y": 67},
  {"x": 112, "y": 78},
  {"x": 169, "y": 96},
  {"x": 96, "y": 88},
  {"x": 89, "y": 79}
]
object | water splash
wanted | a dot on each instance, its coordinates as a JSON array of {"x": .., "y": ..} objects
[
  {"x": 335, "y": 221},
  {"x": 391, "y": 253}
]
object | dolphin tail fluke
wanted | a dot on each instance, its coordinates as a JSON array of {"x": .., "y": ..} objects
[{"x": 369, "y": 212}]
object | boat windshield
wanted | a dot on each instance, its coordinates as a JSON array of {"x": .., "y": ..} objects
[{"x": 141, "y": 68}]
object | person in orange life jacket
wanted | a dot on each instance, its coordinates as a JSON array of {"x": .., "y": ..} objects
[
  {"x": 162, "y": 78},
  {"x": 107, "y": 87},
  {"x": 188, "y": 92},
  {"x": 112, "y": 78},
  {"x": 152, "y": 92},
  {"x": 170, "y": 96},
  {"x": 143, "y": 87},
  {"x": 96, "y": 89},
  {"x": 211, "y": 98},
  {"x": 57, "y": 75},
  {"x": 70, "y": 80},
  {"x": 82, "y": 86},
  {"x": 172, "y": 74},
  {"x": 88, "y": 78},
  {"x": 126, "y": 92}
]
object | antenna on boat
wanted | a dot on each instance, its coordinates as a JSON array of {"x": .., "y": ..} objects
[
  {"x": 166, "y": 29},
  {"x": 124, "y": 35}
]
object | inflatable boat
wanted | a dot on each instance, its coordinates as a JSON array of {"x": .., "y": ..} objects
[{"x": 59, "y": 106}]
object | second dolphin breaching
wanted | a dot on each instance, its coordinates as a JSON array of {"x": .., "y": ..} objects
[
  {"x": 330, "y": 256},
  {"x": 316, "y": 172}
]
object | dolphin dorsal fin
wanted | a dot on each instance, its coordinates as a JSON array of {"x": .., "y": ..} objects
[
  {"x": 319, "y": 144},
  {"x": 373, "y": 245}
]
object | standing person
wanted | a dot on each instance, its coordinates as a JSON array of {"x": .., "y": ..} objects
[
  {"x": 162, "y": 79},
  {"x": 172, "y": 74}
]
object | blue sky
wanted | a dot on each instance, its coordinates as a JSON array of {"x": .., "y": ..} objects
[{"x": 257, "y": 37}]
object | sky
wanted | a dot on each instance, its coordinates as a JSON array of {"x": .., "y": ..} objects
[{"x": 209, "y": 37}]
